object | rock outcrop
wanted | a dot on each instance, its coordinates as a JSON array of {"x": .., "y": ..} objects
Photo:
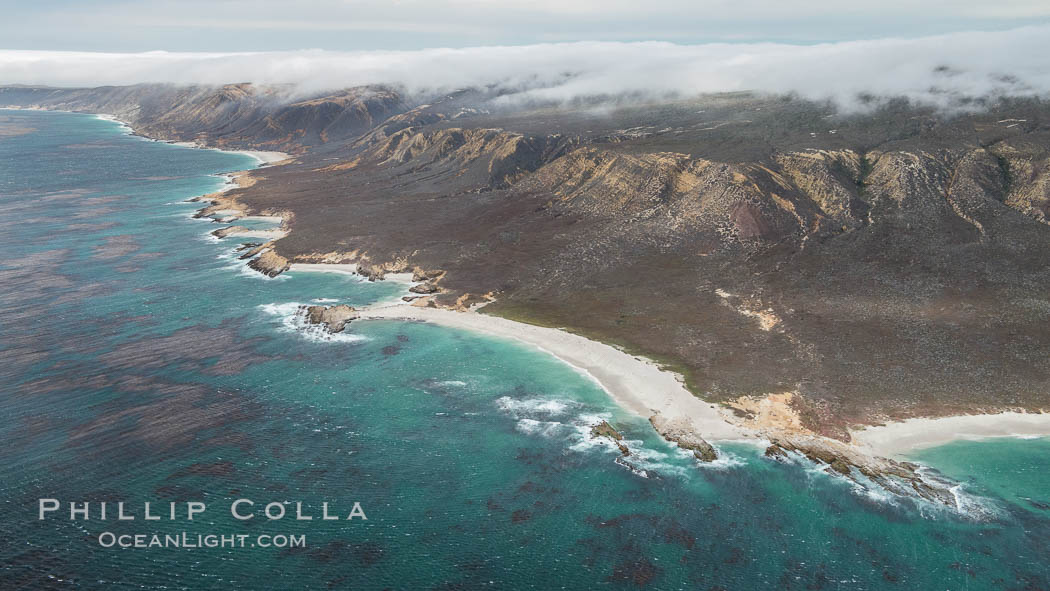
[
  {"x": 269, "y": 263},
  {"x": 604, "y": 429},
  {"x": 255, "y": 250},
  {"x": 903, "y": 478},
  {"x": 419, "y": 274},
  {"x": 333, "y": 318},
  {"x": 229, "y": 231},
  {"x": 680, "y": 432}
]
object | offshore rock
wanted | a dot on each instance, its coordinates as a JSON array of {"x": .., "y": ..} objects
[
  {"x": 604, "y": 429},
  {"x": 776, "y": 452},
  {"x": 902, "y": 478},
  {"x": 333, "y": 318}
]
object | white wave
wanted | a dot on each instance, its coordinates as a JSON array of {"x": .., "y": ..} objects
[
  {"x": 245, "y": 270},
  {"x": 324, "y": 300},
  {"x": 124, "y": 127},
  {"x": 894, "y": 492},
  {"x": 725, "y": 461},
  {"x": 455, "y": 383},
  {"x": 870, "y": 491},
  {"x": 634, "y": 469},
  {"x": 533, "y": 406},
  {"x": 543, "y": 428},
  {"x": 582, "y": 438},
  {"x": 971, "y": 506}
]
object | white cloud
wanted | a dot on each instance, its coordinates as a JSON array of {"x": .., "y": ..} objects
[{"x": 931, "y": 69}]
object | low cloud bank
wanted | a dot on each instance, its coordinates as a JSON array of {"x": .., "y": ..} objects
[{"x": 944, "y": 70}]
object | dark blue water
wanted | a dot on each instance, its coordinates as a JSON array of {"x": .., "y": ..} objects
[{"x": 140, "y": 361}]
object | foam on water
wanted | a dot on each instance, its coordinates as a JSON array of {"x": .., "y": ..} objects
[
  {"x": 542, "y": 428},
  {"x": 124, "y": 127},
  {"x": 533, "y": 406}
]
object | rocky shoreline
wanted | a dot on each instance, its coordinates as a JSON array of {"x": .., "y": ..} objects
[{"x": 841, "y": 459}]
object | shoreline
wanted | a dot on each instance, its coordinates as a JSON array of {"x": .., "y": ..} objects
[
  {"x": 636, "y": 384},
  {"x": 265, "y": 158},
  {"x": 900, "y": 438},
  {"x": 640, "y": 386}
]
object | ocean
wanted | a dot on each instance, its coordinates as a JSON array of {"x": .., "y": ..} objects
[{"x": 142, "y": 362}]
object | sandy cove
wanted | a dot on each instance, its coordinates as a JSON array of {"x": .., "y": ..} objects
[
  {"x": 264, "y": 157},
  {"x": 637, "y": 384}
]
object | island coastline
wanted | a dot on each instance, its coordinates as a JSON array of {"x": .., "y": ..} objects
[{"x": 894, "y": 439}]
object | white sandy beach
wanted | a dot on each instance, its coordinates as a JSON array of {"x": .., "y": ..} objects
[
  {"x": 637, "y": 384},
  {"x": 900, "y": 438},
  {"x": 272, "y": 219},
  {"x": 265, "y": 157},
  {"x": 272, "y": 234},
  {"x": 345, "y": 268},
  {"x": 262, "y": 156}
]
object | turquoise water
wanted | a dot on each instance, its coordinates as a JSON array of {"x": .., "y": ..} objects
[{"x": 140, "y": 361}]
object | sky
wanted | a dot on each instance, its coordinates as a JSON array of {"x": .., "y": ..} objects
[
  {"x": 931, "y": 51},
  {"x": 342, "y": 25}
]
